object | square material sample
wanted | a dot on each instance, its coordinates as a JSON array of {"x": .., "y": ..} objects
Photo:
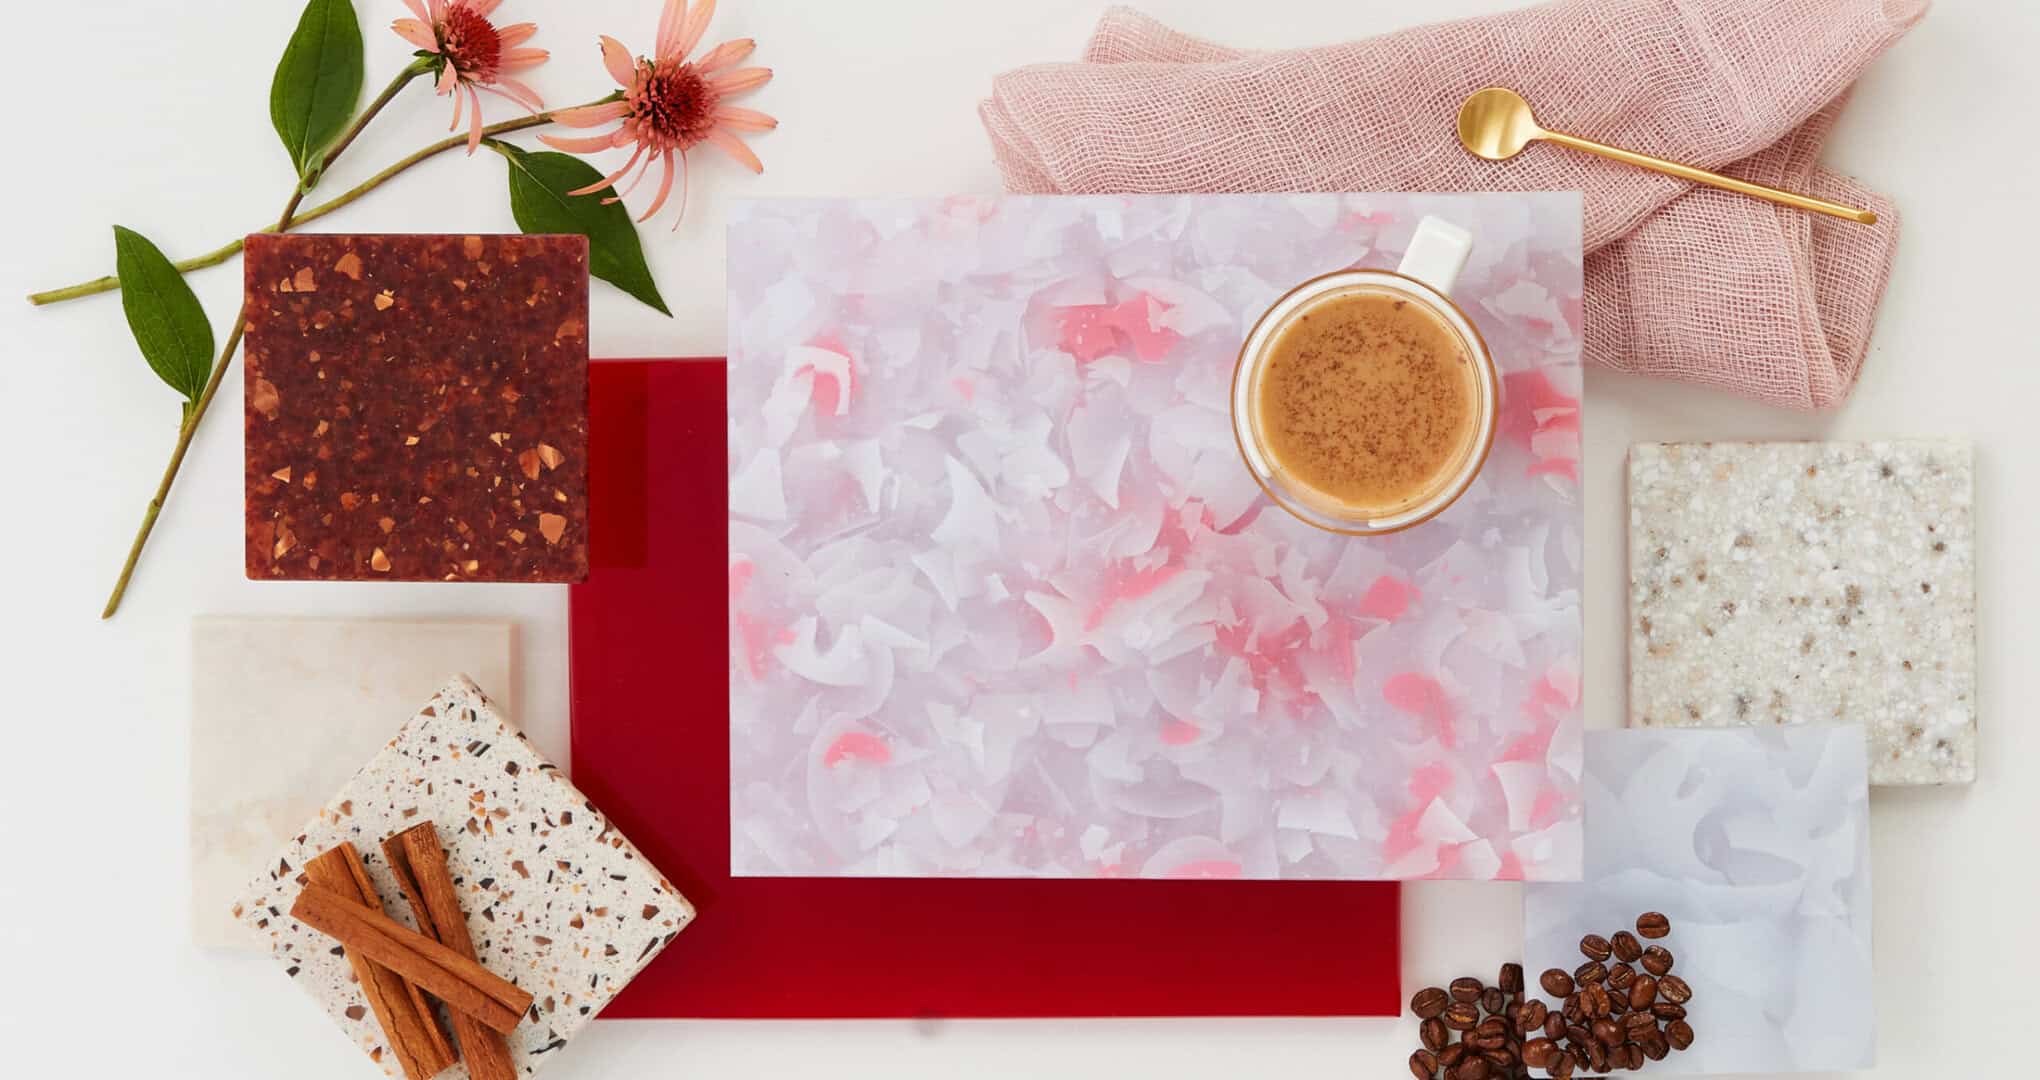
[
  {"x": 1786, "y": 583},
  {"x": 1756, "y": 844},
  {"x": 417, "y": 408},
  {"x": 557, "y": 901},
  {"x": 1006, "y": 601},
  {"x": 262, "y": 761}
]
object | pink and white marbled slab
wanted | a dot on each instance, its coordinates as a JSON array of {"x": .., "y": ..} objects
[{"x": 1005, "y": 602}]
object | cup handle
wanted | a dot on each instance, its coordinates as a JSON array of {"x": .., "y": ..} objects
[{"x": 1437, "y": 253}]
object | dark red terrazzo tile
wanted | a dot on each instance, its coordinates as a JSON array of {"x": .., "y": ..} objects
[{"x": 417, "y": 408}]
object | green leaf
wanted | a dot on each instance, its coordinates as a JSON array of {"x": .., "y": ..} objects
[
  {"x": 539, "y": 201},
  {"x": 317, "y": 84},
  {"x": 163, "y": 314}
]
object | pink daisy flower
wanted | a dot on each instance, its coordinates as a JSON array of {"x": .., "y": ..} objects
[
  {"x": 474, "y": 54},
  {"x": 671, "y": 104}
]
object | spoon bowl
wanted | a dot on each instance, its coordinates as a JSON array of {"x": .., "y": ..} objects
[{"x": 1496, "y": 123}]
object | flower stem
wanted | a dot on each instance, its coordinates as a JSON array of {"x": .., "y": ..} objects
[
  {"x": 192, "y": 415},
  {"x": 196, "y": 412},
  {"x": 229, "y": 250}
]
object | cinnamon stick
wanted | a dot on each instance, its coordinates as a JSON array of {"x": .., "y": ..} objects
[
  {"x": 419, "y": 864},
  {"x": 365, "y": 889},
  {"x": 408, "y": 1026},
  {"x": 465, "y": 986}
]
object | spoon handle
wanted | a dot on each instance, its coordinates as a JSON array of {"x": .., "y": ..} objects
[{"x": 1702, "y": 176}]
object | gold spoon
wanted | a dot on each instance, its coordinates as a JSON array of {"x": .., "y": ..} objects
[{"x": 1496, "y": 124}]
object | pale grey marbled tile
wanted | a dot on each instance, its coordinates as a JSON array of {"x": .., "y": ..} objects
[
  {"x": 1756, "y": 844},
  {"x": 557, "y": 900},
  {"x": 1785, "y": 583},
  {"x": 284, "y": 710}
]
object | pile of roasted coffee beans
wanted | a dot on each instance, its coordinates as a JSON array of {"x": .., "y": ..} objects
[
  {"x": 1621, "y": 1008},
  {"x": 1487, "y": 1021}
]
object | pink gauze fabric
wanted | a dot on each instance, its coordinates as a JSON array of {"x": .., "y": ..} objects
[{"x": 1681, "y": 282}]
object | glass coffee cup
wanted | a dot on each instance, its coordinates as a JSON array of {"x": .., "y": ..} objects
[{"x": 1365, "y": 401}]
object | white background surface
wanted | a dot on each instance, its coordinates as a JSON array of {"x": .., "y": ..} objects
[{"x": 154, "y": 115}]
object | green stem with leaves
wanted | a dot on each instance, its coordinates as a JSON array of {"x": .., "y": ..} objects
[
  {"x": 195, "y": 412},
  {"x": 227, "y": 251}
]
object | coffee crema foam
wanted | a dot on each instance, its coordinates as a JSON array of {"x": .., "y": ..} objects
[{"x": 1369, "y": 399}]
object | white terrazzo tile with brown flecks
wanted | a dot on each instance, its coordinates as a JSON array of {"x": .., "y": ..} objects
[
  {"x": 556, "y": 899},
  {"x": 1781, "y": 583}
]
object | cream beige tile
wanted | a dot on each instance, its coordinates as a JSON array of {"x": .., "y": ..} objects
[{"x": 284, "y": 710}]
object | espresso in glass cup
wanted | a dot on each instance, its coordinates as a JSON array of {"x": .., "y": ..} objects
[{"x": 1365, "y": 400}]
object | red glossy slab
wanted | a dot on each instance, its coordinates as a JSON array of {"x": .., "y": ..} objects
[{"x": 651, "y": 747}]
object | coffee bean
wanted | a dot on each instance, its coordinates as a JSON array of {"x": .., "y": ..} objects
[
  {"x": 1556, "y": 983},
  {"x": 1461, "y": 1016},
  {"x": 1679, "y": 1033},
  {"x": 1594, "y": 947},
  {"x": 1473, "y": 1068},
  {"x": 1537, "y": 1052},
  {"x": 1574, "y": 1011},
  {"x": 1655, "y": 1047},
  {"x": 1511, "y": 979},
  {"x": 1657, "y": 960},
  {"x": 1675, "y": 990},
  {"x": 1642, "y": 992},
  {"x": 1665, "y": 1010},
  {"x": 1491, "y": 1033},
  {"x": 1626, "y": 948},
  {"x": 1492, "y": 1000},
  {"x": 1502, "y": 1058},
  {"x": 1429, "y": 1002},
  {"x": 1637, "y": 1023},
  {"x": 1590, "y": 972},
  {"x": 1620, "y": 976},
  {"x": 1608, "y": 1031},
  {"x": 1618, "y": 1003},
  {"x": 1467, "y": 989},
  {"x": 1424, "y": 1065},
  {"x": 1597, "y": 1057},
  {"x": 1451, "y": 1055},
  {"x": 1529, "y": 1017},
  {"x": 1594, "y": 1000},
  {"x": 1433, "y": 1034},
  {"x": 1633, "y": 1057},
  {"x": 1554, "y": 1026},
  {"x": 1653, "y": 925},
  {"x": 1577, "y": 1034},
  {"x": 1561, "y": 1068}
]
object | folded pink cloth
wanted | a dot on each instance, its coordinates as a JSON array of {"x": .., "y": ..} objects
[{"x": 1682, "y": 282}]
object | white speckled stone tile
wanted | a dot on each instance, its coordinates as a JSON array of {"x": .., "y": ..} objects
[
  {"x": 1785, "y": 583},
  {"x": 556, "y": 899},
  {"x": 261, "y": 763},
  {"x": 1756, "y": 844}
]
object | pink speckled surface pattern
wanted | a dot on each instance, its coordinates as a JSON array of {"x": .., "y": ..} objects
[{"x": 1004, "y": 601}]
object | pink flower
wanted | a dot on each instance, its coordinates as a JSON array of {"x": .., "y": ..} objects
[
  {"x": 474, "y": 54},
  {"x": 670, "y": 104}
]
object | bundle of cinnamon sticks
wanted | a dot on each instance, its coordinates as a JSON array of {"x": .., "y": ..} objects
[{"x": 399, "y": 968}]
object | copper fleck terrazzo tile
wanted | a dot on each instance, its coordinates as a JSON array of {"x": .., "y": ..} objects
[{"x": 417, "y": 408}]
